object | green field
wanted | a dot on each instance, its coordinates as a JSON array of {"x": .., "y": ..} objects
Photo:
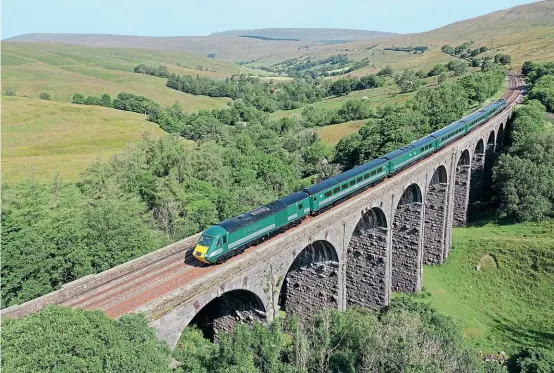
[
  {"x": 508, "y": 303},
  {"x": 63, "y": 70},
  {"x": 43, "y": 138}
]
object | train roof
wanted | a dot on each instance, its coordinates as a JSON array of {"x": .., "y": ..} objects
[
  {"x": 451, "y": 127},
  {"x": 262, "y": 212},
  {"x": 421, "y": 142},
  {"x": 328, "y": 183},
  {"x": 398, "y": 152}
]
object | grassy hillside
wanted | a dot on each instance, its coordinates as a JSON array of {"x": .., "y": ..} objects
[
  {"x": 63, "y": 70},
  {"x": 42, "y": 138},
  {"x": 509, "y": 302}
]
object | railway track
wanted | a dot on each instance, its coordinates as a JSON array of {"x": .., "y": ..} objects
[{"x": 127, "y": 293}]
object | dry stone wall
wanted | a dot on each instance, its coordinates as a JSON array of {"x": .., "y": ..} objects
[
  {"x": 366, "y": 268},
  {"x": 406, "y": 248},
  {"x": 435, "y": 224}
]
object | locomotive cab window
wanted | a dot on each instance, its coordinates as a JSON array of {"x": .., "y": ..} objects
[{"x": 224, "y": 239}]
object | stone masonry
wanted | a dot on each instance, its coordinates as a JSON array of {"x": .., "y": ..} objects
[
  {"x": 435, "y": 224},
  {"x": 366, "y": 267},
  {"x": 461, "y": 196},
  {"x": 311, "y": 288},
  {"x": 487, "y": 171},
  {"x": 406, "y": 248},
  {"x": 477, "y": 176}
]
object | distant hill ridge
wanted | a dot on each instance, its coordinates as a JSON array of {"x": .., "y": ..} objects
[{"x": 308, "y": 34}]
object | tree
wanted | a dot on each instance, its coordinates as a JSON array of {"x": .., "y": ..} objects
[
  {"x": 543, "y": 91},
  {"x": 458, "y": 67},
  {"x": 340, "y": 87},
  {"x": 442, "y": 78},
  {"x": 502, "y": 59},
  {"x": 92, "y": 100},
  {"x": 408, "y": 81},
  {"x": 105, "y": 100},
  {"x": 448, "y": 49},
  {"x": 78, "y": 98},
  {"x": 535, "y": 360},
  {"x": 437, "y": 70},
  {"x": 44, "y": 96},
  {"x": 59, "y": 339},
  {"x": 386, "y": 71}
]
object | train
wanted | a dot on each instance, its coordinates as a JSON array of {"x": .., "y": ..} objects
[{"x": 232, "y": 236}]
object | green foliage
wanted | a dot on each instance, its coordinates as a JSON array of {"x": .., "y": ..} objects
[
  {"x": 60, "y": 340},
  {"x": 535, "y": 360},
  {"x": 429, "y": 110},
  {"x": 502, "y": 59},
  {"x": 44, "y": 96},
  {"x": 524, "y": 178},
  {"x": 408, "y": 81},
  {"x": 92, "y": 100},
  {"x": 442, "y": 78},
  {"x": 543, "y": 91},
  {"x": 536, "y": 70},
  {"x": 414, "y": 49},
  {"x": 53, "y": 234},
  {"x": 78, "y": 98},
  {"x": 458, "y": 67},
  {"x": 105, "y": 100},
  {"x": 405, "y": 337},
  {"x": 340, "y": 87},
  {"x": 137, "y": 104},
  {"x": 9, "y": 91},
  {"x": 438, "y": 70},
  {"x": 160, "y": 71},
  {"x": 386, "y": 71}
]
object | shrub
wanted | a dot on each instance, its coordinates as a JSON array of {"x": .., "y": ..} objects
[
  {"x": 78, "y": 98},
  {"x": 9, "y": 91},
  {"x": 44, "y": 96}
]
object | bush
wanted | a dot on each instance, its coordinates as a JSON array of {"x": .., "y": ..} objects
[
  {"x": 78, "y": 98},
  {"x": 535, "y": 360},
  {"x": 386, "y": 71},
  {"x": 9, "y": 91},
  {"x": 458, "y": 67},
  {"x": 61, "y": 340},
  {"x": 543, "y": 91},
  {"x": 44, "y": 96}
]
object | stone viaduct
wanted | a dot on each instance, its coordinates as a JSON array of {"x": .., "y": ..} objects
[{"x": 358, "y": 252}]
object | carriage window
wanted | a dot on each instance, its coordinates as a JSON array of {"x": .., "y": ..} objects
[
  {"x": 328, "y": 194},
  {"x": 359, "y": 179},
  {"x": 344, "y": 186},
  {"x": 336, "y": 190},
  {"x": 366, "y": 176},
  {"x": 300, "y": 207},
  {"x": 380, "y": 169},
  {"x": 373, "y": 173},
  {"x": 352, "y": 182}
]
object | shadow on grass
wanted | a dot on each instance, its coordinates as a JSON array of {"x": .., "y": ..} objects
[{"x": 523, "y": 335}]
